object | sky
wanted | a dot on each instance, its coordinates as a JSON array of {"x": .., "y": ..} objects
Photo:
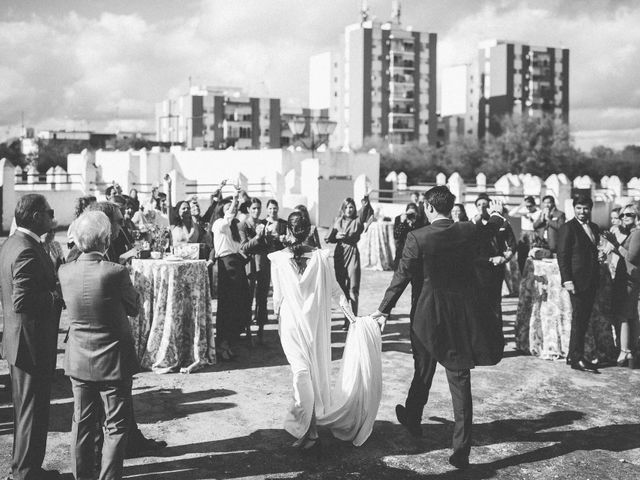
[{"x": 103, "y": 64}]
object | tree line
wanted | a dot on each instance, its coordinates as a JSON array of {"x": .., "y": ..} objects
[{"x": 538, "y": 146}]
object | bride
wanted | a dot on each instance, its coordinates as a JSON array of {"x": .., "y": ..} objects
[{"x": 303, "y": 286}]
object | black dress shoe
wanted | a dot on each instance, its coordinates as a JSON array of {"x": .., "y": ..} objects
[
  {"x": 584, "y": 366},
  {"x": 414, "y": 429},
  {"x": 143, "y": 445},
  {"x": 459, "y": 461}
]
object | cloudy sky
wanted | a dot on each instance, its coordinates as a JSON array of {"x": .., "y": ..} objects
[{"x": 102, "y": 64}]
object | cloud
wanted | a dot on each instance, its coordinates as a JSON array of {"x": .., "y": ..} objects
[{"x": 108, "y": 69}]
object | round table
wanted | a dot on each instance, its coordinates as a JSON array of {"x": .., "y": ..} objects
[
  {"x": 377, "y": 247},
  {"x": 543, "y": 320},
  {"x": 175, "y": 328}
]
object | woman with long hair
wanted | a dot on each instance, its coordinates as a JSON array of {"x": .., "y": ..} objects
[
  {"x": 624, "y": 260},
  {"x": 303, "y": 287},
  {"x": 313, "y": 240},
  {"x": 345, "y": 234},
  {"x": 234, "y": 307},
  {"x": 184, "y": 229},
  {"x": 459, "y": 213}
]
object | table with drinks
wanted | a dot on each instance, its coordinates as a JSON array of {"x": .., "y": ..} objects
[{"x": 174, "y": 330}]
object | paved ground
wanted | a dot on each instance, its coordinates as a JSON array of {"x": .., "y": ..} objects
[{"x": 534, "y": 419}]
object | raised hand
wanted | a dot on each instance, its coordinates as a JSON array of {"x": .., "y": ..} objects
[{"x": 496, "y": 206}]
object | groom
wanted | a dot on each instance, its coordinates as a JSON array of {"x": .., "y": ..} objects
[{"x": 452, "y": 323}]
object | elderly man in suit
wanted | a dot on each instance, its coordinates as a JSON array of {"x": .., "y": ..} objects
[
  {"x": 100, "y": 358},
  {"x": 453, "y": 323},
  {"x": 578, "y": 260},
  {"x": 31, "y": 306},
  {"x": 547, "y": 226}
]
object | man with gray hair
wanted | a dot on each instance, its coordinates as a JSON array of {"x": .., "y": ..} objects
[{"x": 100, "y": 358}]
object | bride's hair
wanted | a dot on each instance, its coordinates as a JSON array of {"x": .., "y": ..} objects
[{"x": 299, "y": 226}]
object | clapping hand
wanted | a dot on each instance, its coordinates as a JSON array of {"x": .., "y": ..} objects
[
  {"x": 496, "y": 206},
  {"x": 611, "y": 238}
]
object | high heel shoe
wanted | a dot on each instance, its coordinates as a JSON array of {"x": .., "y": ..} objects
[{"x": 624, "y": 362}]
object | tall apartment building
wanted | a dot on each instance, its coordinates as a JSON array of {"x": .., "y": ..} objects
[
  {"x": 515, "y": 78},
  {"x": 386, "y": 83},
  {"x": 459, "y": 92},
  {"x": 219, "y": 117}
]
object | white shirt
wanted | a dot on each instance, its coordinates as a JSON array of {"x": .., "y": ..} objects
[
  {"x": 588, "y": 231},
  {"x": 30, "y": 233},
  {"x": 527, "y": 219},
  {"x": 223, "y": 242}
]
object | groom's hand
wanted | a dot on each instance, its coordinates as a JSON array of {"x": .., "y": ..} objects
[{"x": 381, "y": 318}]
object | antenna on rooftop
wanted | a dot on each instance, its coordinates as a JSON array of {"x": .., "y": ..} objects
[
  {"x": 364, "y": 12},
  {"x": 395, "y": 12}
]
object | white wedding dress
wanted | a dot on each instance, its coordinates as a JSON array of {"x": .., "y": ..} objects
[{"x": 304, "y": 300}]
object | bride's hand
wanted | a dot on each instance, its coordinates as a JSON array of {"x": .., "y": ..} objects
[{"x": 381, "y": 318}]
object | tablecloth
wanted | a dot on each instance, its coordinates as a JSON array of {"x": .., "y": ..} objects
[
  {"x": 175, "y": 328},
  {"x": 377, "y": 247},
  {"x": 543, "y": 320}
]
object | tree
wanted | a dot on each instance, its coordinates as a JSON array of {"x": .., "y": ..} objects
[
  {"x": 12, "y": 151},
  {"x": 52, "y": 153}
]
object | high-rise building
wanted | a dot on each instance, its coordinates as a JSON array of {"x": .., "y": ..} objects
[
  {"x": 386, "y": 83},
  {"x": 459, "y": 94},
  {"x": 515, "y": 78},
  {"x": 219, "y": 117}
]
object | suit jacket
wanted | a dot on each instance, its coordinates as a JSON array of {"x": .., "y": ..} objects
[
  {"x": 281, "y": 229},
  {"x": 551, "y": 227},
  {"x": 99, "y": 295},
  {"x": 253, "y": 246},
  {"x": 453, "y": 321},
  {"x": 31, "y": 316},
  {"x": 578, "y": 255}
]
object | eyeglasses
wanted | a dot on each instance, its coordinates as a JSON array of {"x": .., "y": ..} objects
[{"x": 629, "y": 215}]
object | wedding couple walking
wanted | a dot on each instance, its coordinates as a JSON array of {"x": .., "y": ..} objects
[{"x": 451, "y": 324}]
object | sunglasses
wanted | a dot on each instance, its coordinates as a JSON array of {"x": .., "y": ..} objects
[{"x": 629, "y": 215}]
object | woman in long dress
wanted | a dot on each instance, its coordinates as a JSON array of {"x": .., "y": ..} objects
[
  {"x": 303, "y": 287},
  {"x": 345, "y": 234}
]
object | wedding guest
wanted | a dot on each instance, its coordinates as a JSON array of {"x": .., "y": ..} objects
[
  {"x": 624, "y": 256},
  {"x": 345, "y": 233},
  {"x": 417, "y": 198},
  {"x": 215, "y": 206},
  {"x": 100, "y": 357},
  {"x": 314, "y": 239},
  {"x": 366, "y": 213},
  {"x": 234, "y": 310},
  {"x": 253, "y": 244},
  {"x": 402, "y": 225},
  {"x": 196, "y": 217},
  {"x": 459, "y": 213},
  {"x": 549, "y": 223},
  {"x": 578, "y": 260},
  {"x": 529, "y": 213},
  {"x": 128, "y": 225},
  {"x": 110, "y": 193},
  {"x": 31, "y": 305},
  {"x": 81, "y": 204},
  {"x": 496, "y": 247},
  {"x": 275, "y": 227},
  {"x": 184, "y": 229},
  {"x": 614, "y": 217},
  {"x": 133, "y": 195}
]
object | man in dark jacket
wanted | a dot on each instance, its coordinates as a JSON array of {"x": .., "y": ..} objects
[
  {"x": 578, "y": 260},
  {"x": 31, "y": 305},
  {"x": 100, "y": 358},
  {"x": 452, "y": 324}
]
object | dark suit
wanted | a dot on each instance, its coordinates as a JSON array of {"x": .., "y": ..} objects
[
  {"x": 578, "y": 263},
  {"x": 452, "y": 324},
  {"x": 100, "y": 359},
  {"x": 29, "y": 344},
  {"x": 258, "y": 268},
  {"x": 549, "y": 229}
]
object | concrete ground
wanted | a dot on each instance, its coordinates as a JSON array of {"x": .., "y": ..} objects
[{"x": 533, "y": 419}]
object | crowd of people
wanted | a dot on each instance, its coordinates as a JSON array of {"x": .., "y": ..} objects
[{"x": 250, "y": 253}]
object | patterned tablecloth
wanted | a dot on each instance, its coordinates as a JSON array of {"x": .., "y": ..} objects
[
  {"x": 175, "y": 328},
  {"x": 543, "y": 321},
  {"x": 377, "y": 247}
]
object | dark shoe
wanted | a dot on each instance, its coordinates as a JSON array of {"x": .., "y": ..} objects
[
  {"x": 414, "y": 429},
  {"x": 584, "y": 366},
  {"x": 143, "y": 445},
  {"x": 459, "y": 461}
]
